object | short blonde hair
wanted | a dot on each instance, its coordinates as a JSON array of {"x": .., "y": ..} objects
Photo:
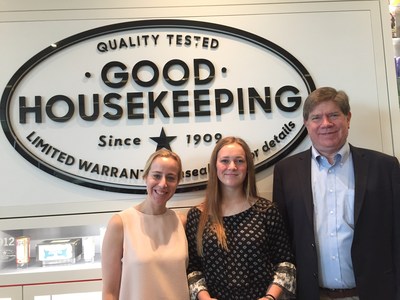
[{"x": 163, "y": 153}]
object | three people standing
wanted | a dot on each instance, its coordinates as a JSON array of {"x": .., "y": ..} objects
[{"x": 336, "y": 206}]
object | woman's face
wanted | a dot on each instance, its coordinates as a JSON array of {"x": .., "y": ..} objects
[
  {"x": 162, "y": 179},
  {"x": 231, "y": 165}
]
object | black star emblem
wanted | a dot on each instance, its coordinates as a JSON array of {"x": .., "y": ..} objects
[{"x": 163, "y": 140}]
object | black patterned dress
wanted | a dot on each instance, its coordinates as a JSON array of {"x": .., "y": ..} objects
[{"x": 259, "y": 254}]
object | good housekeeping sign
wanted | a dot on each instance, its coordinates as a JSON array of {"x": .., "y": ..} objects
[{"x": 92, "y": 107}]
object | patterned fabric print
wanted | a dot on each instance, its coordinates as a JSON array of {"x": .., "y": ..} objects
[
  {"x": 197, "y": 284},
  {"x": 285, "y": 275},
  {"x": 257, "y": 242}
]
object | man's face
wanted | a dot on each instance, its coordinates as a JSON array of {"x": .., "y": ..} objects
[{"x": 328, "y": 127}]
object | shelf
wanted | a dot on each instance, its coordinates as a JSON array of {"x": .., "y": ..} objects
[
  {"x": 36, "y": 274},
  {"x": 54, "y": 228}
]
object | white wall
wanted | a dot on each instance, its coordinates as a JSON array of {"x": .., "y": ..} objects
[{"x": 344, "y": 44}]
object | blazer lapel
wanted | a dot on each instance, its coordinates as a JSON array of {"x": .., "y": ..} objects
[
  {"x": 361, "y": 165},
  {"x": 304, "y": 176}
]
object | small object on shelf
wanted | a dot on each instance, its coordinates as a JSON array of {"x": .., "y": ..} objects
[
  {"x": 59, "y": 251},
  {"x": 89, "y": 249},
  {"x": 22, "y": 249},
  {"x": 7, "y": 248}
]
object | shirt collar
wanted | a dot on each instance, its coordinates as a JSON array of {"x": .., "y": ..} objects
[{"x": 340, "y": 157}]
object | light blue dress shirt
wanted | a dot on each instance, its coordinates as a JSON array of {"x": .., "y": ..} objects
[{"x": 333, "y": 196}]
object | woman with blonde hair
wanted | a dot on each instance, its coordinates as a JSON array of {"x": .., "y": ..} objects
[{"x": 144, "y": 253}]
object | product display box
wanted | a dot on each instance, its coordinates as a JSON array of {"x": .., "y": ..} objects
[{"x": 59, "y": 251}]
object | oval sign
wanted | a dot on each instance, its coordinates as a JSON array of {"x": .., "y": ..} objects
[{"x": 91, "y": 108}]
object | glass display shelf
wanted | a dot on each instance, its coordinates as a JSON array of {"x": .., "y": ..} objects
[{"x": 46, "y": 249}]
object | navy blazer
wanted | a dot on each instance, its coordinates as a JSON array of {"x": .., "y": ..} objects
[{"x": 375, "y": 249}]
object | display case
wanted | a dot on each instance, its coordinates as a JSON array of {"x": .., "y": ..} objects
[{"x": 52, "y": 256}]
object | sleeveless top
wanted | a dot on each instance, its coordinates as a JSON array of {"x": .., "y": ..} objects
[{"x": 155, "y": 257}]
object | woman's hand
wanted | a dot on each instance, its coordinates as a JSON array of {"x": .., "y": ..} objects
[{"x": 204, "y": 295}]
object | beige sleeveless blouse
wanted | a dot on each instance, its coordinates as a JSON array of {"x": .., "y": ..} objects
[{"x": 155, "y": 257}]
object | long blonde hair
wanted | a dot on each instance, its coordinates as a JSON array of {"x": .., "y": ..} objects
[{"x": 211, "y": 207}]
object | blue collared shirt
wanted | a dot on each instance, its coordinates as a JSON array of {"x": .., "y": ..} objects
[{"x": 333, "y": 196}]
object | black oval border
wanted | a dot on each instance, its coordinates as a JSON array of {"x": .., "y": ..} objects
[{"x": 137, "y": 25}]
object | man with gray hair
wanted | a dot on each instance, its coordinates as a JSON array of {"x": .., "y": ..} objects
[{"x": 341, "y": 204}]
